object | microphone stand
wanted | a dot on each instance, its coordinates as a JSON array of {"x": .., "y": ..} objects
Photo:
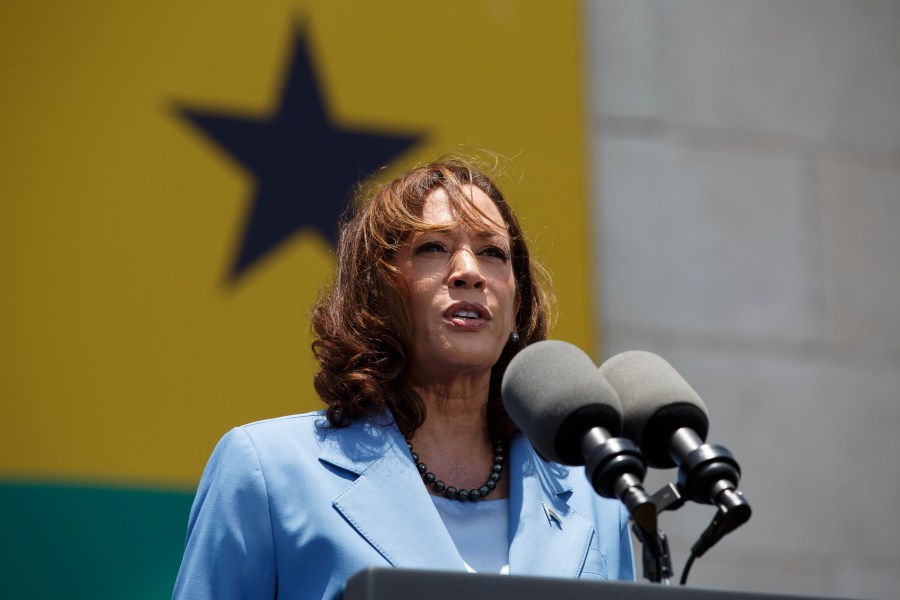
[
  {"x": 709, "y": 475},
  {"x": 616, "y": 468},
  {"x": 657, "y": 561}
]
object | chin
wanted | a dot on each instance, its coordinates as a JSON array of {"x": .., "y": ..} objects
[
  {"x": 474, "y": 355},
  {"x": 457, "y": 353}
]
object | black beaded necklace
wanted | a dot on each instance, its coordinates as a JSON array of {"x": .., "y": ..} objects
[{"x": 456, "y": 494}]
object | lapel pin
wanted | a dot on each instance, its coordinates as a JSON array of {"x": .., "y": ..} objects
[{"x": 551, "y": 515}]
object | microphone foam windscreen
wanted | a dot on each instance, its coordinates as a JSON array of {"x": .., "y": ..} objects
[
  {"x": 656, "y": 402},
  {"x": 554, "y": 393}
]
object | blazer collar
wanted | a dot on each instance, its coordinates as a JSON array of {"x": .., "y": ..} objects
[
  {"x": 387, "y": 504},
  {"x": 547, "y": 537},
  {"x": 389, "y": 507}
]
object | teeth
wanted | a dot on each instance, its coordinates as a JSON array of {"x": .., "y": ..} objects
[{"x": 466, "y": 314}]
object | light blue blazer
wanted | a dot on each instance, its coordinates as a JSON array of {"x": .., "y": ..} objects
[{"x": 288, "y": 508}]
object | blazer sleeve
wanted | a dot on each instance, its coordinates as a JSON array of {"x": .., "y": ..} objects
[{"x": 229, "y": 551}]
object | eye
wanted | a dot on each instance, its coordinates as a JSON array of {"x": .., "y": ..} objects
[
  {"x": 496, "y": 252},
  {"x": 430, "y": 247}
]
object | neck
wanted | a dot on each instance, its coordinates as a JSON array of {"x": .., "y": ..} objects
[
  {"x": 456, "y": 410},
  {"x": 453, "y": 441}
]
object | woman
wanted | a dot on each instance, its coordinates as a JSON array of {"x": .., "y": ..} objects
[{"x": 414, "y": 463}]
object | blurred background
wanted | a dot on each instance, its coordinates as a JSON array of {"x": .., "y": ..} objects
[{"x": 715, "y": 181}]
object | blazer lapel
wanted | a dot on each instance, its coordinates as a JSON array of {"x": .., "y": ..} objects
[
  {"x": 387, "y": 504},
  {"x": 547, "y": 537}
]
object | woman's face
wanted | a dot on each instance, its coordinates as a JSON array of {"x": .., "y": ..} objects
[{"x": 460, "y": 290}]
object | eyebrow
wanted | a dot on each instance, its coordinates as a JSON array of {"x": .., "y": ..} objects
[{"x": 485, "y": 234}]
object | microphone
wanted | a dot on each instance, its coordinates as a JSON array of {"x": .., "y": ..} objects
[
  {"x": 571, "y": 415},
  {"x": 668, "y": 421}
]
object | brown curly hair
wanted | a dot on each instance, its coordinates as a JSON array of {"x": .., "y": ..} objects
[{"x": 363, "y": 333}]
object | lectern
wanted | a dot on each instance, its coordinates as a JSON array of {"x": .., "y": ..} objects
[{"x": 409, "y": 584}]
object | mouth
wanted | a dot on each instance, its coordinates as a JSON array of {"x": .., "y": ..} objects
[{"x": 467, "y": 315}]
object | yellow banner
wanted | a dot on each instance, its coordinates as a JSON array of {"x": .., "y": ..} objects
[{"x": 152, "y": 296}]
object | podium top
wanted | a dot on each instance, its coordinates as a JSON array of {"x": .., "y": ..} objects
[{"x": 390, "y": 584}]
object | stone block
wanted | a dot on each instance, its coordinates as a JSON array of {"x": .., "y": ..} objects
[
  {"x": 699, "y": 240},
  {"x": 823, "y": 71},
  {"x": 861, "y": 220}
]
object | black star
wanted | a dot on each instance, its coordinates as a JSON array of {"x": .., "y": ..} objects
[{"x": 304, "y": 164}]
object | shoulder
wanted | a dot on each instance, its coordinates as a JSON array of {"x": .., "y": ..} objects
[
  {"x": 292, "y": 444},
  {"x": 288, "y": 424},
  {"x": 312, "y": 429},
  {"x": 270, "y": 437}
]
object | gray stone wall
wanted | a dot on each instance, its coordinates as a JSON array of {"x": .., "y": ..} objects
[{"x": 746, "y": 184}]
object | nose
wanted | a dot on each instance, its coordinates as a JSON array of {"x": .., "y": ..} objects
[{"x": 464, "y": 270}]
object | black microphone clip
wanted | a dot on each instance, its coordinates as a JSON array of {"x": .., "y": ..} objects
[{"x": 709, "y": 474}]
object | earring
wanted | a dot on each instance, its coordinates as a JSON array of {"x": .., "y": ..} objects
[{"x": 514, "y": 337}]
